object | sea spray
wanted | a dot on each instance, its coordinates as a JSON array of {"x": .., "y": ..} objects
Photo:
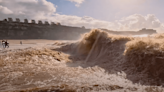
[{"x": 98, "y": 62}]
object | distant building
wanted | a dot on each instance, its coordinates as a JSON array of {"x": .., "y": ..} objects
[
  {"x": 17, "y": 20},
  {"x": 83, "y": 27},
  {"x": 33, "y": 21},
  {"x": 40, "y": 22},
  {"x": 46, "y": 22},
  {"x": 58, "y": 23},
  {"x": 52, "y": 23},
  {"x": 25, "y": 21},
  {"x": 147, "y": 31},
  {"x": 10, "y": 19}
]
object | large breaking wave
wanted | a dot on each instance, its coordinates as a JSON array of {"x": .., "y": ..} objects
[
  {"x": 97, "y": 62},
  {"x": 141, "y": 58}
]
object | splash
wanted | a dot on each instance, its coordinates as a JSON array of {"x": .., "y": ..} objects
[
  {"x": 143, "y": 55},
  {"x": 97, "y": 62}
]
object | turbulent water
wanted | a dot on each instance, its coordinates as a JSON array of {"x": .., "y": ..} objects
[{"x": 97, "y": 62}]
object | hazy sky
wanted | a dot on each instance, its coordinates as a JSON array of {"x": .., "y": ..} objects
[
  {"x": 110, "y": 14},
  {"x": 110, "y": 10}
]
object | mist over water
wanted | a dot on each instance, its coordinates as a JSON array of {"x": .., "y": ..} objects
[{"x": 97, "y": 62}]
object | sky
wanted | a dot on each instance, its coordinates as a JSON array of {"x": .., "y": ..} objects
[{"x": 118, "y": 15}]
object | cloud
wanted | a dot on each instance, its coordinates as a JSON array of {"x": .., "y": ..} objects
[
  {"x": 44, "y": 10},
  {"x": 137, "y": 21},
  {"x": 5, "y": 10},
  {"x": 78, "y": 2},
  {"x": 131, "y": 23},
  {"x": 30, "y": 9},
  {"x": 86, "y": 21}
]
